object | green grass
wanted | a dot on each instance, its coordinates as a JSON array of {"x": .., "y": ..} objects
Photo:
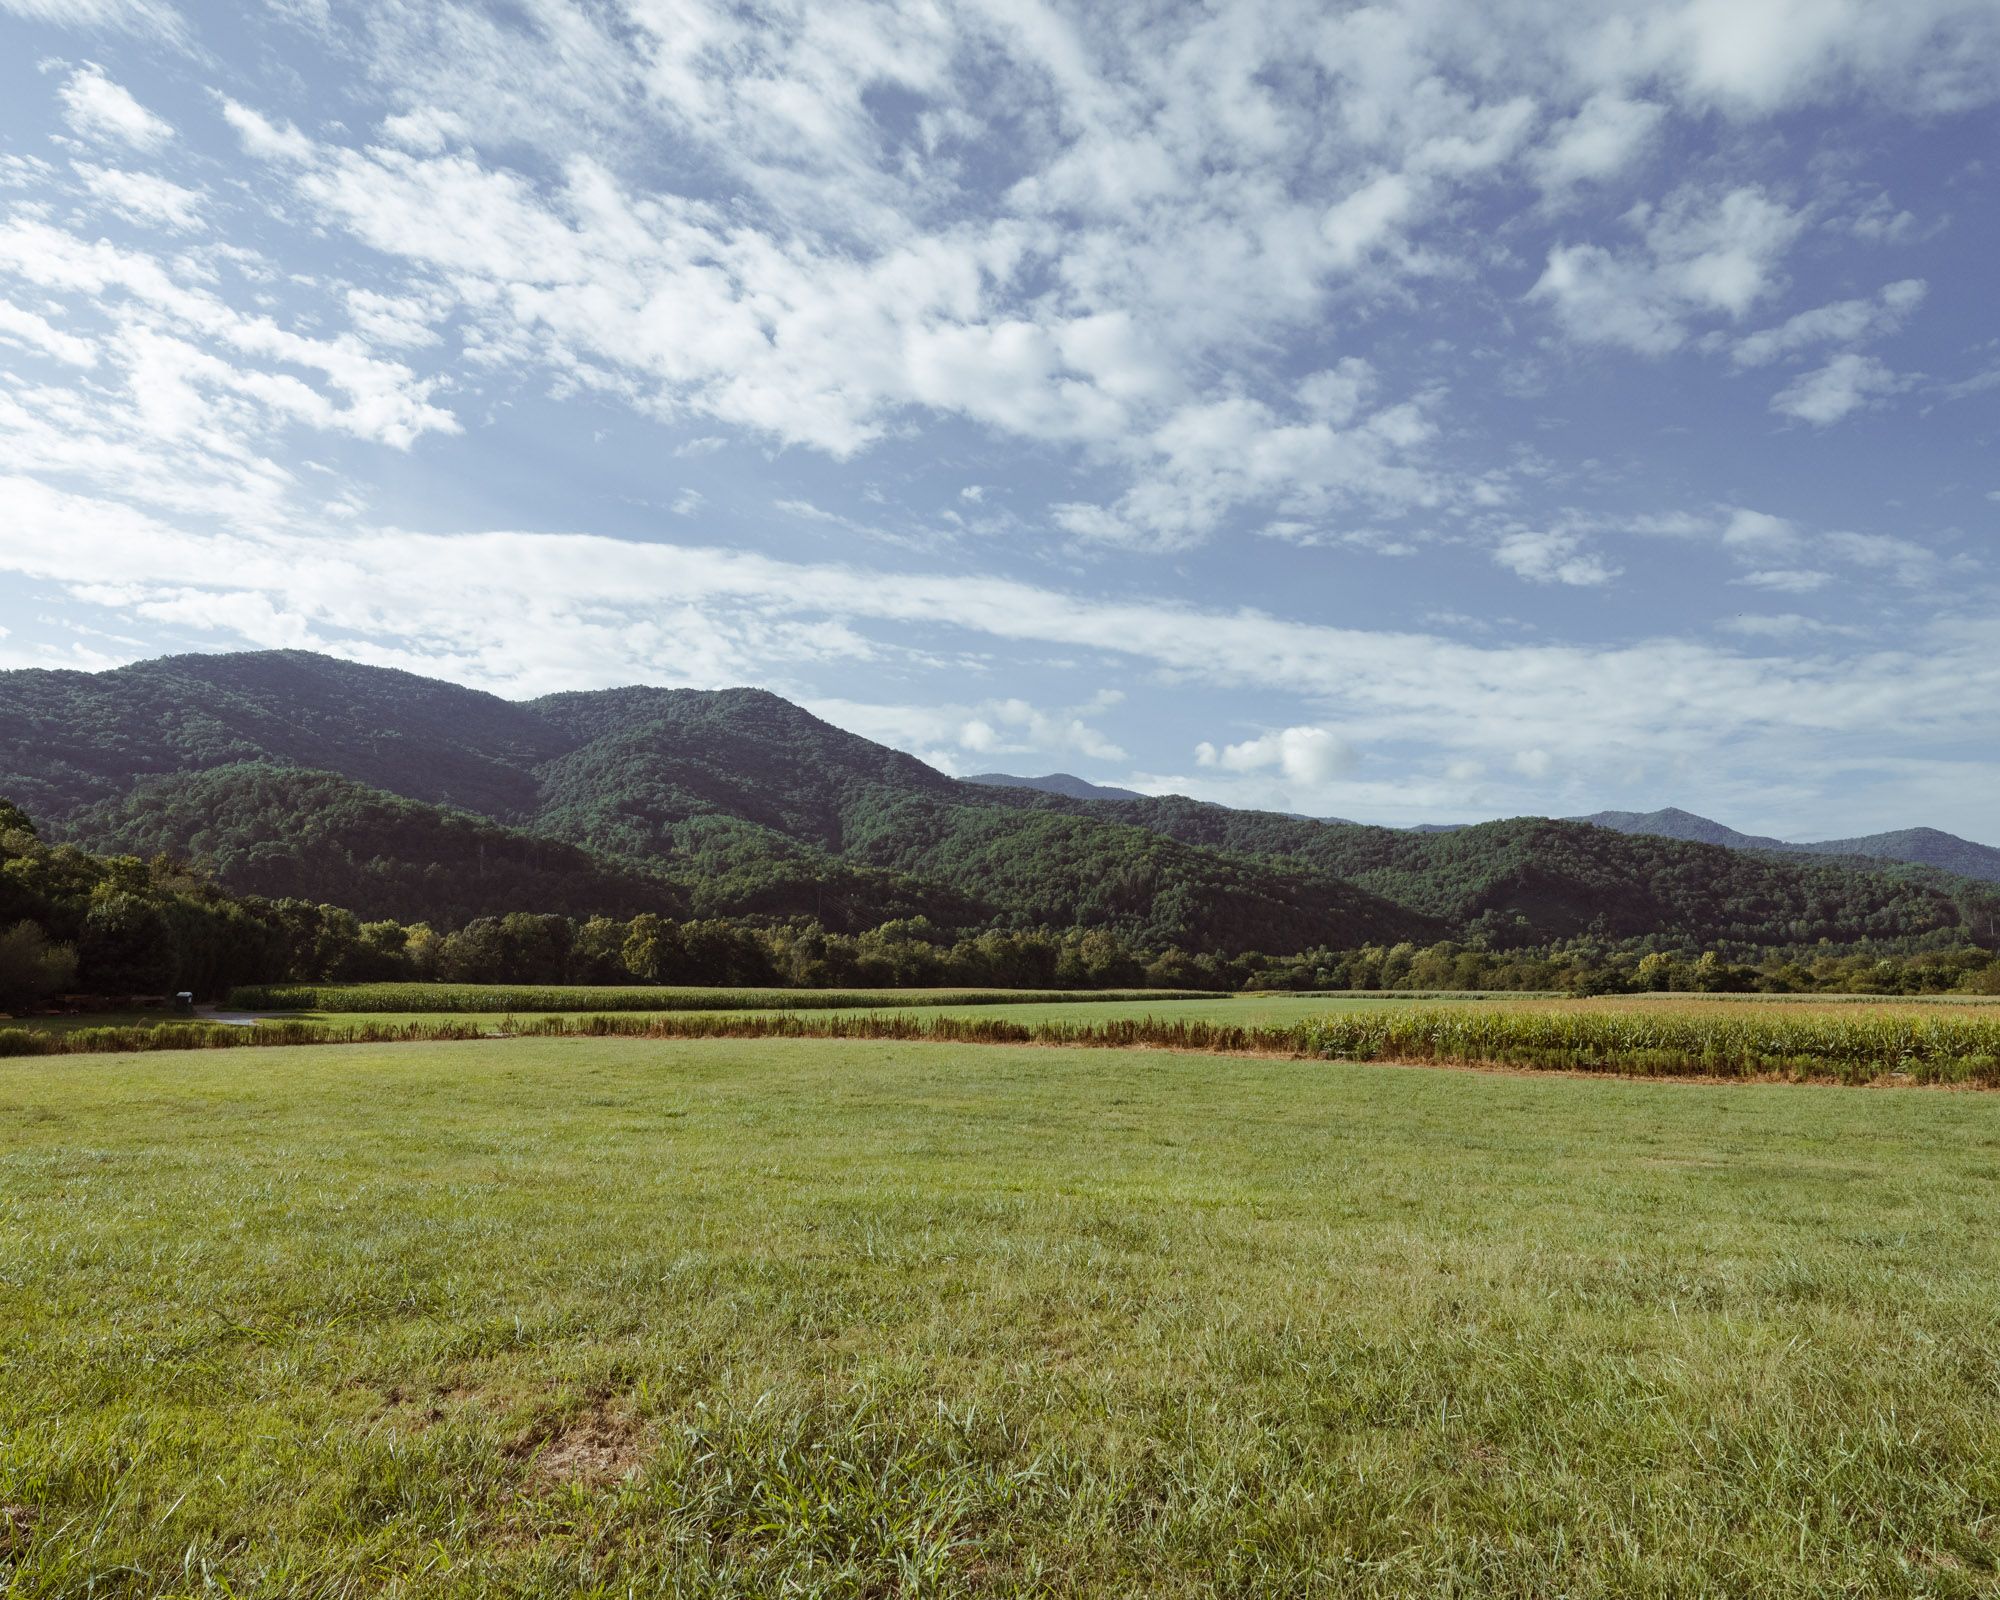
[{"x": 600, "y": 1317}]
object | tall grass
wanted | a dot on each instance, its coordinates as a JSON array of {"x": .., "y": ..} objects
[
  {"x": 1833, "y": 1048},
  {"x": 1846, "y": 1048}
]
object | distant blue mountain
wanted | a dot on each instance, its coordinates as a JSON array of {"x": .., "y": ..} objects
[{"x": 1925, "y": 846}]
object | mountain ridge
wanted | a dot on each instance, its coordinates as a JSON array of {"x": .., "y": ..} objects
[
  {"x": 1067, "y": 784},
  {"x": 1929, "y": 847},
  {"x": 737, "y": 802}
]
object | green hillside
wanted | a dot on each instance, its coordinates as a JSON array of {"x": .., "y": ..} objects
[
  {"x": 1533, "y": 878},
  {"x": 298, "y": 775},
  {"x": 284, "y": 831},
  {"x": 1924, "y": 847}
]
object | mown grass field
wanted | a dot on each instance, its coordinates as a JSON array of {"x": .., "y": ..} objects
[{"x": 813, "y": 1317}]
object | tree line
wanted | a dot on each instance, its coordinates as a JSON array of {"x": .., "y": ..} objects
[{"x": 71, "y": 921}]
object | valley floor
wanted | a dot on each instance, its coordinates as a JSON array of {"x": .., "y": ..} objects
[{"x": 541, "y": 1317}]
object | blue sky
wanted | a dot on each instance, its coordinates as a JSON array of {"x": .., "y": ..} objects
[{"x": 1420, "y": 411}]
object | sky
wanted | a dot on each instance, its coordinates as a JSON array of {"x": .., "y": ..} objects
[{"x": 1415, "y": 412}]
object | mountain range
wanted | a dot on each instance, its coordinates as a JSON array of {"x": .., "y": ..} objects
[
  {"x": 1924, "y": 846},
  {"x": 293, "y": 774},
  {"x": 1928, "y": 847}
]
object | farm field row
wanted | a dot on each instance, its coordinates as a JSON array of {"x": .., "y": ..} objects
[
  {"x": 1265, "y": 1010},
  {"x": 827, "y": 1317}
]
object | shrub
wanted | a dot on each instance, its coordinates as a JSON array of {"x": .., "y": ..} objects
[{"x": 32, "y": 967}]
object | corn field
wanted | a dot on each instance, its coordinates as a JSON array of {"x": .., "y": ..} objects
[{"x": 1784, "y": 1045}]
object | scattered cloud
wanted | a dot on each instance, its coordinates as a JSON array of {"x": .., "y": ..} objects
[
  {"x": 1850, "y": 382},
  {"x": 1703, "y": 254},
  {"x": 1553, "y": 555},
  {"x": 1904, "y": 561},
  {"x": 130, "y": 16},
  {"x": 103, "y": 111},
  {"x": 1841, "y": 322},
  {"x": 524, "y": 613},
  {"x": 1605, "y": 136},
  {"x": 1786, "y": 580},
  {"x": 960, "y": 738},
  {"x": 1231, "y": 304},
  {"x": 22, "y": 327},
  {"x": 144, "y": 198},
  {"x": 1758, "y": 535},
  {"x": 1787, "y": 625}
]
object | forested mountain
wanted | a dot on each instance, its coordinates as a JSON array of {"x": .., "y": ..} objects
[
  {"x": 1062, "y": 783},
  {"x": 69, "y": 739},
  {"x": 283, "y": 831},
  {"x": 1933, "y": 848},
  {"x": 1535, "y": 878},
  {"x": 1928, "y": 847},
  {"x": 294, "y": 774},
  {"x": 1670, "y": 822}
]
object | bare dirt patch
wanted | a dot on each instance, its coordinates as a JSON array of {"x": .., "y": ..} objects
[
  {"x": 597, "y": 1447},
  {"x": 17, "y": 1526}
]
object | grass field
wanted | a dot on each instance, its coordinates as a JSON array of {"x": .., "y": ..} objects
[
  {"x": 1247, "y": 1010},
  {"x": 427, "y": 998},
  {"x": 814, "y": 1317}
]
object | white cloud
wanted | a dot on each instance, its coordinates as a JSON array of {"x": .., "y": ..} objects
[
  {"x": 1880, "y": 222},
  {"x": 1002, "y": 727},
  {"x": 263, "y": 138},
  {"x": 1314, "y": 757},
  {"x": 143, "y": 197},
  {"x": 1850, "y": 382},
  {"x": 526, "y": 612},
  {"x": 1705, "y": 253},
  {"x": 396, "y": 322},
  {"x": 1552, "y": 555},
  {"x": 1782, "y": 625},
  {"x": 1208, "y": 459},
  {"x": 1758, "y": 536},
  {"x": 99, "y": 109},
  {"x": 132, "y": 16},
  {"x": 1607, "y": 134},
  {"x": 1841, "y": 322},
  {"x": 23, "y": 172},
  {"x": 1369, "y": 217},
  {"x": 1067, "y": 230},
  {"x": 1786, "y": 580},
  {"x": 24, "y": 327},
  {"x": 1756, "y": 57},
  {"x": 169, "y": 372},
  {"x": 1909, "y": 563}
]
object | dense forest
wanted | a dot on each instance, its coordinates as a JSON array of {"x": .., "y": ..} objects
[
  {"x": 74, "y": 923},
  {"x": 290, "y": 777}
]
